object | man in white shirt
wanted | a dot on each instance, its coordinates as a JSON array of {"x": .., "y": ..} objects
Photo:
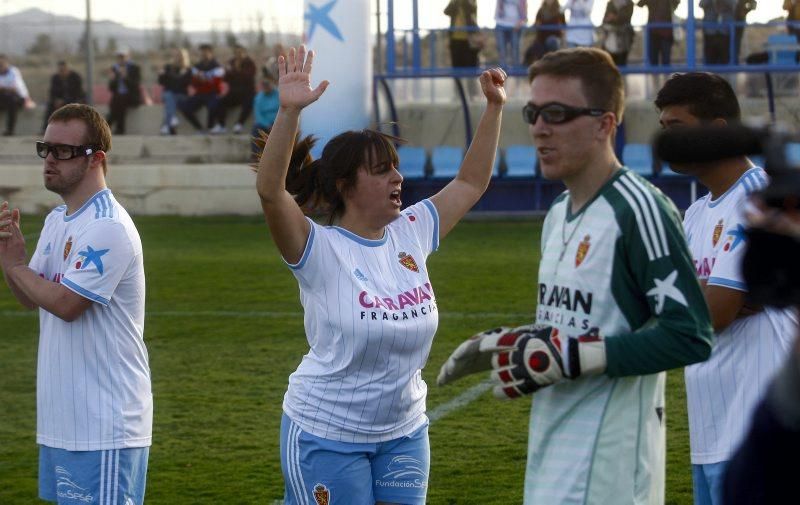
[
  {"x": 750, "y": 343},
  {"x": 13, "y": 93},
  {"x": 86, "y": 277}
]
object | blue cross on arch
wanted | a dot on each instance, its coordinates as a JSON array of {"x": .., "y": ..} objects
[{"x": 322, "y": 16}]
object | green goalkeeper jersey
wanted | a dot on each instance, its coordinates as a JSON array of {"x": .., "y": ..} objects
[{"x": 619, "y": 264}]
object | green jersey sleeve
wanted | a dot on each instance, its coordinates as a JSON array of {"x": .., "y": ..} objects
[{"x": 655, "y": 285}]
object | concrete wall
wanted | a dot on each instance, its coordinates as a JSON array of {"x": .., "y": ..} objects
[{"x": 148, "y": 189}]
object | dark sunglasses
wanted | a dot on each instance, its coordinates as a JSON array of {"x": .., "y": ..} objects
[
  {"x": 557, "y": 113},
  {"x": 64, "y": 151}
]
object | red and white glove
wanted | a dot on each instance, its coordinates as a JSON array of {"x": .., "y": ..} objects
[
  {"x": 468, "y": 358},
  {"x": 529, "y": 358}
]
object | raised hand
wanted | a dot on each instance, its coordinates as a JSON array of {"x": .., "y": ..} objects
[
  {"x": 294, "y": 79},
  {"x": 492, "y": 84},
  {"x": 5, "y": 221},
  {"x": 12, "y": 247}
]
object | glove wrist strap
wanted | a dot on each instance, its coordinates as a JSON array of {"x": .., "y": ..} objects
[{"x": 585, "y": 358}]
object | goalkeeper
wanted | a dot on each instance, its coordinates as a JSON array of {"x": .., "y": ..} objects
[{"x": 618, "y": 303}]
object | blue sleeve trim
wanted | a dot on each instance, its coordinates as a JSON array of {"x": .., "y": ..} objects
[
  {"x": 726, "y": 283},
  {"x": 84, "y": 292},
  {"x": 435, "y": 215},
  {"x": 306, "y": 251}
]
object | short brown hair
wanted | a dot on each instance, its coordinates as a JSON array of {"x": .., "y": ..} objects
[
  {"x": 599, "y": 76},
  {"x": 98, "y": 133}
]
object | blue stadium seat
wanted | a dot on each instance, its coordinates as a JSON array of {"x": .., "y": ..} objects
[
  {"x": 446, "y": 161},
  {"x": 666, "y": 171},
  {"x": 757, "y": 159},
  {"x": 497, "y": 160},
  {"x": 520, "y": 161},
  {"x": 782, "y": 49},
  {"x": 639, "y": 158},
  {"x": 792, "y": 154},
  {"x": 412, "y": 161}
]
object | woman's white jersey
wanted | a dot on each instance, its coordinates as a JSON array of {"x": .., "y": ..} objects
[{"x": 370, "y": 317}]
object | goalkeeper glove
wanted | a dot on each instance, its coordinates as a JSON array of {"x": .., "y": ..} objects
[
  {"x": 467, "y": 358},
  {"x": 528, "y": 360},
  {"x": 525, "y": 359}
]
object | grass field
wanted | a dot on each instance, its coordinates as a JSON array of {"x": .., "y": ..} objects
[{"x": 224, "y": 331}]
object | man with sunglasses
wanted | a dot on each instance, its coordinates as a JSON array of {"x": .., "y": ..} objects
[
  {"x": 618, "y": 303},
  {"x": 86, "y": 277}
]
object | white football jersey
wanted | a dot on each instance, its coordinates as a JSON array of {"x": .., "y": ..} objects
[
  {"x": 723, "y": 391},
  {"x": 370, "y": 317},
  {"x": 93, "y": 379}
]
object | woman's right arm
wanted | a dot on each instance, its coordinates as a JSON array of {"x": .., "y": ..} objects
[{"x": 285, "y": 219}]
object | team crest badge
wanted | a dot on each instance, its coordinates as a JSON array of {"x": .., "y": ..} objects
[
  {"x": 408, "y": 261},
  {"x": 322, "y": 495},
  {"x": 67, "y": 248},
  {"x": 583, "y": 250},
  {"x": 717, "y": 233}
]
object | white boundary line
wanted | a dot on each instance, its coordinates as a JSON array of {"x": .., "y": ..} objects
[{"x": 462, "y": 400}]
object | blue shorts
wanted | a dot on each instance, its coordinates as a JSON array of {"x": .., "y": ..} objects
[
  {"x": 708, "y": 481},
  {"x": 113, "y": 477},
  {"x": 316, "y": 470}
]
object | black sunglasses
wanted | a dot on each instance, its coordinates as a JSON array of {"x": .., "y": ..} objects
[
  {"x": 557, "y": 113},
  {"x": 64, "y": 151}
]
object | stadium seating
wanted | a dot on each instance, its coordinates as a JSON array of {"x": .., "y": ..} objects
[
  {"x": 446, "y": 160},
  {"x": 639, "y": 158},
  {"x": 782, "y": 49},
  {"x": 520, "y": 161},
  {"x": 792, "y": 154},
  {"x": 412, "y": 161},
  {"x": 666, "y": 171},
  {"x": 757, "y": 159}
]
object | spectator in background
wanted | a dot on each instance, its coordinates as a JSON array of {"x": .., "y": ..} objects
[
  {"x": 13, "y": 93},
  {"x": 743, "y": 7},
  {"x": 618, "y": 31},
  {"x": 240, "y": 74},
  {"x": 660, "y": 38},
  {"x": 580, "y": 12},
  {"x": 265, "y": 109},
  {"x": 174, "y": 78},
  {"x": 510, "y": 17},
  {"x": 271, "y": 65},
  {"x": 463, "y": 51},
  {"x": 548, "y": 38},
  {"x": 207, "y": 77},
  {"x": 792, "y": 8},
  {"x": 66, "y": 86},
  {"x": 125, "y": 83},
  {"x": 715, "y": 35}
]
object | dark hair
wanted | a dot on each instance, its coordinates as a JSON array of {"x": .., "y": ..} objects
[
  {"x": 708, "y": 96},
  {"x": 319, "y": 185},
  {"x": 204, "y": 47},
  {"x": 599, "y": 76},
  {"x": 98, "y": 132}
]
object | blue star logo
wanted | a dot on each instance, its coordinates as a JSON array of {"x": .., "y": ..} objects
[
  {"x": 322, "y": 16},
  {"x": 92, "y": 256},
  {"x": 738, "y": 235}
]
